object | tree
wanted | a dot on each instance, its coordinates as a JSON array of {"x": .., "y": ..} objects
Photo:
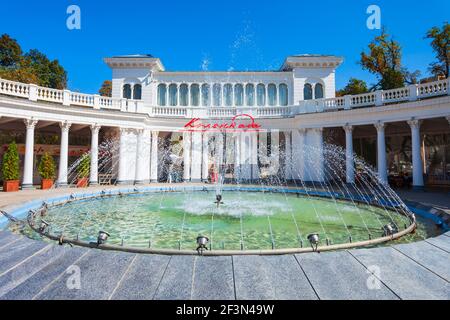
[
  {"x": 47, "y": 167},
  {"x": 10, "y": 52},
  {"x": 49, "y": 73},
  {"x": 354, "y": 86},
  {"x": 440, "y": 43},
  {"x": 384, "y": 60},
  {"x": 106, "y": 89},
  {"x": 10, "y": 167},
  {"x": 31, "y": 67}
]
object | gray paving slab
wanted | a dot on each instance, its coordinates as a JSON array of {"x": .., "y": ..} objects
[
  {"x": 176, "y": 282},
  {"x": 17, "y": 251},
  {"x": 142, "y": 278},
  {"x": 338, "y": 275},
  {"x": 213, "y": 279},
  {"x": 100, "y": 271},
  {"x": 428, "y": 256},
  {"x": 441, "y": 241},
  {"x": 23, "y": 271},
  {"x": 270, "y": 277},
  {"x": 37, "y": 282},
  {"x": 7, "y": 237},
  {"x": 402, "y": 275}
]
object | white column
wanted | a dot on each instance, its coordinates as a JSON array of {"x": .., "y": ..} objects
[
  {"x": 287, "y": 156},
  {"x": 140, "y": 157},
  {"x": 349, "y": 161},
  {"x": 187, "y": 156},
  {"x": 298, "y": 157},
  {"x": 154, "y": 157},
  {"x": 237, "y": 157},
  {"x": 196, "y": 162},
  {"x": 381, "y": 152},
  {"x": 416, "y": 154},
  {"x": 93, "y": 180},
  {"x": 27, "y": 182},
  {"x": 275, "y": 152},
  {"x": 63, "y": 154},
  {"x": 255, "y": 174},
  {"x": 205, "y": 156},
  {"x": 121, "y": 177}
]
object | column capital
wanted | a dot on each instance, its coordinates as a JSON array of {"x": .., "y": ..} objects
[
  {"x": 95, "y": 128},
  {"x": 302, "y": 130},
  {"x": 380, "y": 126},
  {"x": 156, "y": 133},
  {"x": 65, "y": 125},
  {"x": 414, "y": 123},
  {"x": 348, "y": 128},
  {"x": 30, "y": 123},
  {"x": 448, "y": 119},
  {"x": 317, "y": 130}
]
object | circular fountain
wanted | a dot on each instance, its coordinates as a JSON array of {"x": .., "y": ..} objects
[{"x": 269, "y": 216}]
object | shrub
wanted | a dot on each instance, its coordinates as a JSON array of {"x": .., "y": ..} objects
[
  {"x": 47, "y": 167},
  {"x": 10, "y": 166},
  {"x": 84, "y": 166}
]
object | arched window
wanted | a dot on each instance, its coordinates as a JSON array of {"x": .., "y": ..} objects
[
  {"x": 195, "y": 95},
  {"x": 184, "y": 90},
  {"x": 126, "y": 91},
  {"x": 173, "y": 95},
  {"x": 283, "y": 94},
  {"x": 260, "y": 95},
  {"x": 307, "y": 92},
  {"x": 272, "y": 93},
  {"x": 206, "y": 99},
  {"x": 318, "y": 91},
  {"x": 162, "y": 89},
  {"x": 217, "y": 97},
  {"x": 137, "y": 92},
  {"x": 228, "y": 94},
  {"x": 238, "y": 95},
  {"x": 250, "y": 94}
]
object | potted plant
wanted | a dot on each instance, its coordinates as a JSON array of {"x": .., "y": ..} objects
[
  {"x": 83, "y": 171},
  {"x": 47, "y": 171},
  {"x": 10, "y": 168}
]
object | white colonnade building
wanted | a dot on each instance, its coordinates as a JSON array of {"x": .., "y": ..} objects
[{"x": 163, "y": 118}]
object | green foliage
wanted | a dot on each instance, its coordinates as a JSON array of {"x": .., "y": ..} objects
[
  {"x": 84, "y": 166},
  {"x": 31, "y": 67},
  {"x": 10, "y": 166},
  {"x": 106, "y": 89},
  {"x": 47, "y": 167},
  {"x": 384, "y": 59},
  {"x": 440, "y": 43},
  {"x": 354, "y": 86},
  {"x": 10, "y": 51}
]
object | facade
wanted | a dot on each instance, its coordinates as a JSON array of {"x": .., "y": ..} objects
[{"x": 251, "y": 125}]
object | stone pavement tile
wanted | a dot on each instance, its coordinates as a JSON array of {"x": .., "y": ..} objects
[
  {"x": 402, "y": 275},
  {"x": 18, "y": 251},
  {"x": 176, "y": 282},
  {"x": 100, "y": 271},
  {"x": 7, "y": 237},
  {"x": 142, "y": 278},
  {"x": 441, "y": 241},
  {"x": 36, "y": 282},
  {"x": 338, "y": 275},
  {"x": 270, "y": 277},
  {"x": 213, "y": 279},
  {"x": 428, "y": 256},
  {"x": 23, "y": 271}
]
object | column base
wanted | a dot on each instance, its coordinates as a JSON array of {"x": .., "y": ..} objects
[
  {"x": 418, "y": 188},
  {"x": 196, "y": 180},
  {"x": 93, "y": 183},
  {"x": 28, "y": 186},
  {"x": 153, "y": 181},
  {"x": 140, "y": 182},
  {"x": 124, "y": 182},
  {"x": 61, "y": 185}
]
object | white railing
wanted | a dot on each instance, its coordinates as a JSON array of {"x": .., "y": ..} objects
[{"x": 378, "y": 98}]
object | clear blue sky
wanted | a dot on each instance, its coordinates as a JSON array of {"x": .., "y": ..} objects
[{"x": 217, "y": 35}]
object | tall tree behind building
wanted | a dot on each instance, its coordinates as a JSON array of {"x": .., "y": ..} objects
[{"x": 441, "y": 46}]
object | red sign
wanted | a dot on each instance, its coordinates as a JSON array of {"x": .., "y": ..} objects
[{"x": 240, "y": 122}]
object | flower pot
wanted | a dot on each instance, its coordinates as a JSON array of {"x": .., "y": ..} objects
[
  {"x": 11, "y": 185},
  {"x": 46, "y": 184},
  {"x": 82, "y": 182}
]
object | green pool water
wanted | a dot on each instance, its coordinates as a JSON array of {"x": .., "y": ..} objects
[{"x": 254, "y": 219}]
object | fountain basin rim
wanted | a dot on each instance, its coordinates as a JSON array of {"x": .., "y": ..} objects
[{"x": 143, "y": 190}]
